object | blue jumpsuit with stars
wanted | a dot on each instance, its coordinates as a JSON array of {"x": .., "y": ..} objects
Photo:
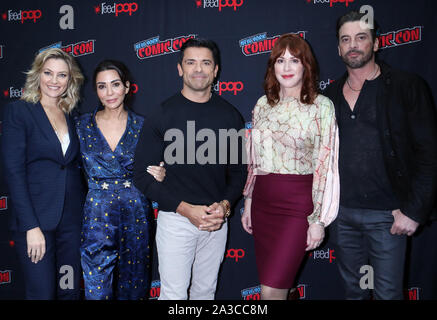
[{"x": 115, "y": 232}]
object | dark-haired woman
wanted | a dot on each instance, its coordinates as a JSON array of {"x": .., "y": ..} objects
[
  {"x": 115, "y": 229},
  {"x": 292, "y": 189}
]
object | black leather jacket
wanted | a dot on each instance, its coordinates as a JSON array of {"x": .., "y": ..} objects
[{"x": 407, "y": 125}]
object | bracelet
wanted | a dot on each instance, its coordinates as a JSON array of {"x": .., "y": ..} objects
[
  {"x": 320, "y": 223},
  {"x": 227, "y": 207}
]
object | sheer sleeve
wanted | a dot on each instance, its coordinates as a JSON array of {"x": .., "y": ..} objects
[
  {"x": 251, "y": 158},
  {"x": 326, "y": 182}
]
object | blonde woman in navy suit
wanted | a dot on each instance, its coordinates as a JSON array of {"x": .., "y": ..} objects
[{"x": 40, "y": 153}]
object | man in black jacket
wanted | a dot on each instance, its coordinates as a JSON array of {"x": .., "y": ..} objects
[{"x": 387, "y": 162}]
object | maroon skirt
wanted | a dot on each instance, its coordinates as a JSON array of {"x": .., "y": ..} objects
[{"x": 281, "y": 204}]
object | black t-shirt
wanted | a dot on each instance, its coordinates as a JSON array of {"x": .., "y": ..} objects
[
  {"x": 202, "y": 166},
  {"x": 364, "y": 182}
]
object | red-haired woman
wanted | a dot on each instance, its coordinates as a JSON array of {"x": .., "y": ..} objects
[{"x": 292, "y": 189}]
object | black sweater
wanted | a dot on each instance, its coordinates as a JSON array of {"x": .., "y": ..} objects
[{"x": 198, "y": 169}]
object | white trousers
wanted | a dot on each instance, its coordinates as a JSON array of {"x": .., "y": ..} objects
[{"x": 185, "y": 253}]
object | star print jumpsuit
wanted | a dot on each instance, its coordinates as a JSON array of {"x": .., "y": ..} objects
[{"x": 115, "y": 232}]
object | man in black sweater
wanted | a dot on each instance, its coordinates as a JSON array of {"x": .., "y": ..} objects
[
  {"x": 387, "y": 163},
  {"x": 199, "y": 136}
]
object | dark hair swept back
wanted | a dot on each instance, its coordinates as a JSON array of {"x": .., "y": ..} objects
[
  {"x": 202, "y": 43},
  {"x": 123, "y": 72},
  {"x": 353, "y": 16}
]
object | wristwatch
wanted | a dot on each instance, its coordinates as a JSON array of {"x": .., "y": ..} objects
[{"x": 227, "y": 207}]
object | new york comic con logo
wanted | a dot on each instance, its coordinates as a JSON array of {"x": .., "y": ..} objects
[
  {"x": 3, "y": 199},
  {"x": 22, "y": 15},
  {"x": 77, "y": 49},
  {"x": 260, "y": 43},
  {"x": 5, "y": 277},
  {"x": 116, "y": 8},
  {"x": 400, "y": 37},
  {"x": 155, "y": 290},
  {"x": 219, "y": 4},
  {"x": 254, "y": 293},
  {"x": 154, "y": 47},
  {"x": 412, "y": 293}
]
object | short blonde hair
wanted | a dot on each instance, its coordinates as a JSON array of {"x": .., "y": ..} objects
[{"x": 32, "y": 92}]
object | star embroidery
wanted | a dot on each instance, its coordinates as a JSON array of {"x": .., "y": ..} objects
[
  {"x": 105, "y": 186},
  {"x": 127, "y": 184}
]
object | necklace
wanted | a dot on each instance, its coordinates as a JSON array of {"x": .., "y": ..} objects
[
  {"x": 53, "y": 123},
  {"x": 371, "y": 78}
]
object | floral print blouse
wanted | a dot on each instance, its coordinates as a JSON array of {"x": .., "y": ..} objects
[{"x": 297, "y": 138}]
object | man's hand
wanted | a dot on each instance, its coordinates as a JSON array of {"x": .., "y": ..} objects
[
  {"x": 215, "y": 218},
  {"x": 403, "y": 224},
  {"x": 194, "y": 213},
  {"x": 204, "y": 218}
]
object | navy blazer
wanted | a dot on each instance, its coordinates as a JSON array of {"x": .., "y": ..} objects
[{"x": 38, "y": 175}]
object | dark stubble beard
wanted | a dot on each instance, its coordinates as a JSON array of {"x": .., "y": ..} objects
[{"x": 358, "y": 62}]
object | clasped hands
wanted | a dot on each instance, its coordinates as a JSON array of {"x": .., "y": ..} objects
[{"x": 205, "y": 218}]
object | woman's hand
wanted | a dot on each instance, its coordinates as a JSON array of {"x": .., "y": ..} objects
[
  {"x": 36, "y": 244},
  {"x": 246, "y": 219},
  {"x": 158, "y": 172},
  {"x": 315, "y": 236}
]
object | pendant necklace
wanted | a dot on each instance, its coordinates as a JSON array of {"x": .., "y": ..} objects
[{"x": 371, "y": 78}]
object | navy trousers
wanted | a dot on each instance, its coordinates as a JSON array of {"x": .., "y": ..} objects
[
  {"x": 368, "y": 255},
  {"x": 58, "y": 274}
]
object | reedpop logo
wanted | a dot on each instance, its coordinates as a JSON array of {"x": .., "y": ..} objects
[
  {"x": 22, "y": 15},
  {"x": 327, "y": 254},
  {"x": 116, "y": 8},
  {"x": 324, "y": 84},
  {"x": 231, "y": 86},
  {"x": 13, "y": 93},
  {"x": 235, "y": 254},
  {"x": 219, "y": 4},
  {"x": 331, "y": 2}
]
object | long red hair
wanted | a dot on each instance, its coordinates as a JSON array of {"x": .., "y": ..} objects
[{"x": 299, "y": 48}]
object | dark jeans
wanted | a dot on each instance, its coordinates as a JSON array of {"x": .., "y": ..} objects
[{"x": 363, "y": 238}]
